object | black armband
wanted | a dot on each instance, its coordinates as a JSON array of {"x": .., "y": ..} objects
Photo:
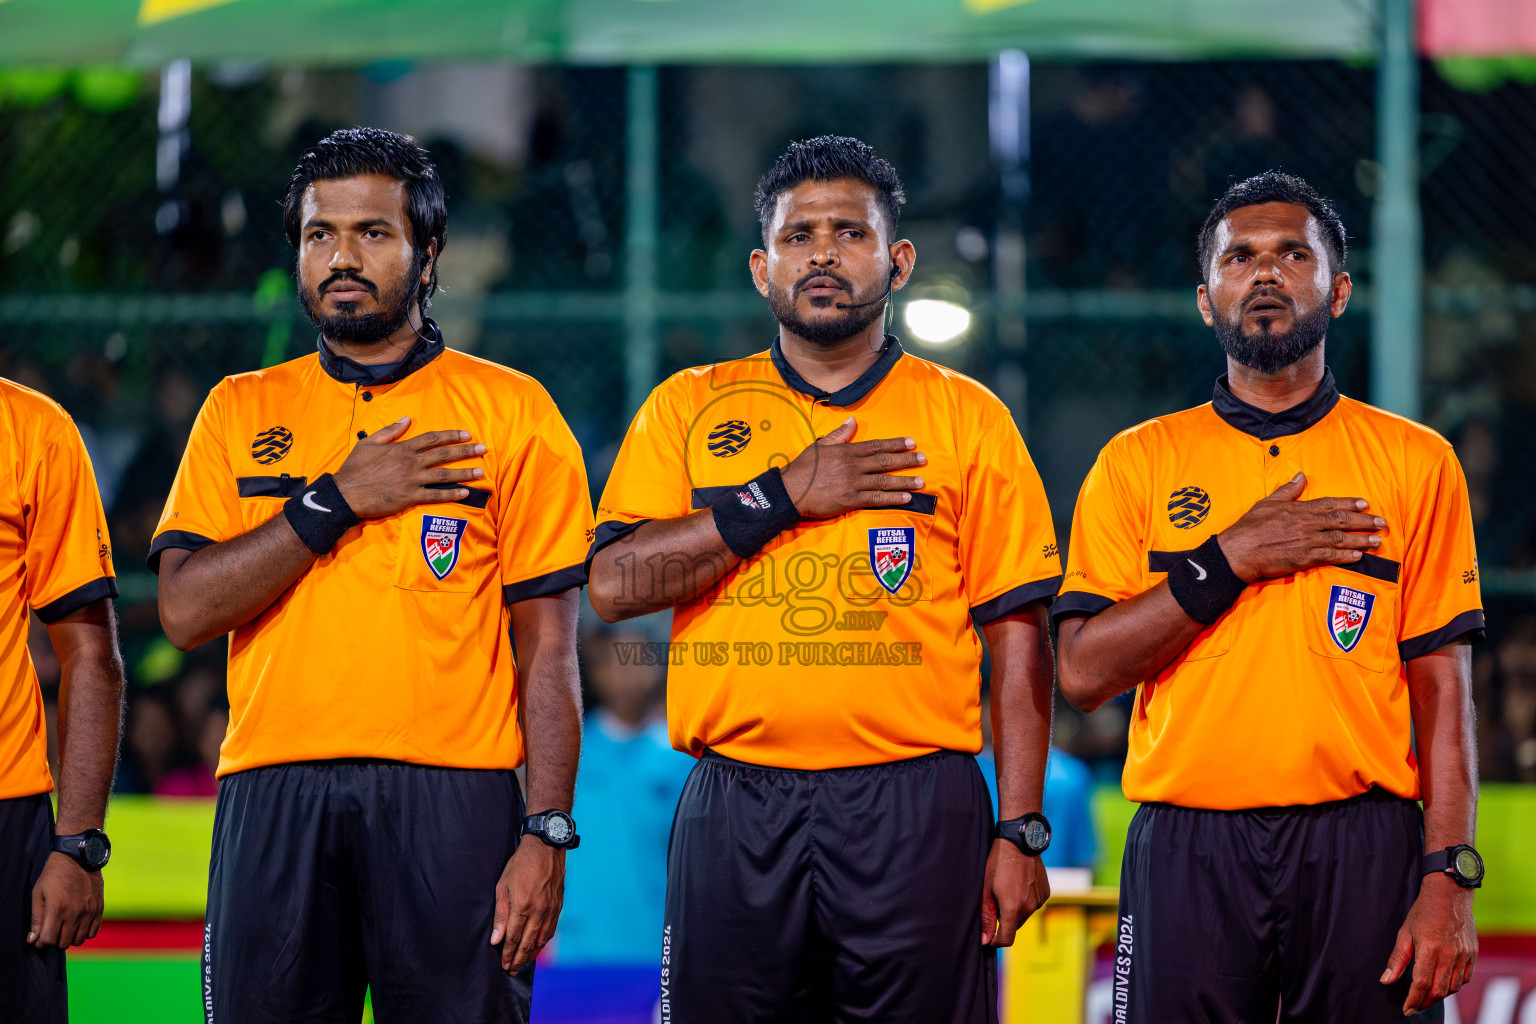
[
  {"x": 1204, "y": 584},
  {"x": 751, "y": 515},
  {"x": 320, "y": 516}
]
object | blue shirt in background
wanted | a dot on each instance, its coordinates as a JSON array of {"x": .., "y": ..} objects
[
  {"x": 1068, "y": 789},
  {"x": 616, "y": 882}
]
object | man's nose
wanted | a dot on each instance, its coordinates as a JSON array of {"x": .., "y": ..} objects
[{"x": 344, "y": 257}]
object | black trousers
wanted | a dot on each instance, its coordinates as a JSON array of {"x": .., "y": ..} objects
[
  {"x": 330, "y": 877},
  {"x": 1249, "y": 917},
  {"x": 851, "y": 894},
  {"x": 32, "y": 989}
]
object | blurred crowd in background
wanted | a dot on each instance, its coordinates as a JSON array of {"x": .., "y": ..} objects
[{"x": 141, "y": 258}]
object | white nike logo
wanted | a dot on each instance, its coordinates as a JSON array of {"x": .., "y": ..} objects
[
  {"x": 310, "y": 502},
  {"x": 1191, "y": 561}
]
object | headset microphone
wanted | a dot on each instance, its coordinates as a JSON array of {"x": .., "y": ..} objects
[{"x": 888, "y": 289}]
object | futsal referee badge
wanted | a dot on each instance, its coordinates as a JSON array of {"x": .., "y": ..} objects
[
  {"x": 440, "y": 537},
  {"x": 891, "y": 550},
  {"x": 1349, "y": 612}
]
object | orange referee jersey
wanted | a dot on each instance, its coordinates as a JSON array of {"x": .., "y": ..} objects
[
  {"x": 394, "y": 645},
  {"x": 54, "y": 559},
  {"x": 1299, "y": 693},
  {"x": 845, "y": 641}
]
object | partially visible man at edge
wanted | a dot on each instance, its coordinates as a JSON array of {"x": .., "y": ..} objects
[
  {"x": 834, "y": 853},
  {"x": 368, "y": 811},
  {"x": 55, "y": 559},
  {"x": 1302, "y": 676}
]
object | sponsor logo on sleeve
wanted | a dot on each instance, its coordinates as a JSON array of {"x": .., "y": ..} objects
[
  {"x": 441, "y": 540},
  {"x": 1349, "y": 614}
]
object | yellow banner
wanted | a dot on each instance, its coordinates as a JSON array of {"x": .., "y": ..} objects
[
  {"x": 976, "y": 6},
  {"x": 152, "y": 11}
]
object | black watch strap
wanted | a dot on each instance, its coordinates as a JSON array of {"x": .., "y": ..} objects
[
  {"x": 90, "y": 849},
  {"x": 1445, "y": 862},
  {"x": 1030, "y": 833},
  {"x": 553, "y": 828}
]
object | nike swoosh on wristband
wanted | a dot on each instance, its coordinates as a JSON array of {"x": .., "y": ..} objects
[
  {"x": 310, "y": 502},
  {"x": 1191, "y": 561}
]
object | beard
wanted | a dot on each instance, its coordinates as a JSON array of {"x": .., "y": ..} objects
[
  {"x": 1266, "y": 350},
  {"x": 348, "y": 325},
  {"x": 829, "y": 331}
]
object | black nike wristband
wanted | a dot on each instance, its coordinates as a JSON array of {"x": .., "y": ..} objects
[
  {"x": 1204, "y": 584},
  {"x": 751, "y": 515},
  {"x": 320, "y": 516}
]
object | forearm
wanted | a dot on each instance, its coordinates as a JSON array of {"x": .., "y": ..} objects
[
  {"x": 1440, "y": 696},
  {"x": 90, "y": 716},
  {"x": 1114, "y": 651},
  {"x": 544, "y": 630},
  {"x": 662, "y": 563},
  {"x": 1022, "y": 692},
  {"x": 213, "y": 590}
]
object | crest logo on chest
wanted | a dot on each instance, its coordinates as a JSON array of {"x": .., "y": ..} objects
[
  {"x": 271, "y": 445},
  {"x": 441, "y": 540},
  {"x": 1188, "y": 507},
  {"x": 1349, "y": 613},
  {"x": 891, "y": 552},
  {"x": 728, "y": 438}
]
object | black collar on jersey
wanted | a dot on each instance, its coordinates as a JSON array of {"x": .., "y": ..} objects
[
  {"x": 427, "y": 348},
  {"x": 1265, "y": 426},
  {"x": 846, "y": 395}
]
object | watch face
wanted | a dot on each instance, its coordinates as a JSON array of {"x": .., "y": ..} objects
[
  {"x": 558, "y": 828},
  {"x": 1036, "y": 835},
  {"x": 1467, "y": 865},
  {"x": 95, "y": 850}
]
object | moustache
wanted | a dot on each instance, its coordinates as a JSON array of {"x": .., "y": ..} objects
[
  {"x": 842, "y": 282},
  {"x": 1269, "y": 296},
  {"x": 351, "y": 278}
]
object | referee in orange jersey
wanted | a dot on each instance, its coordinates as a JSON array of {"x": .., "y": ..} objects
[
  {"x": 55, "y": 561},
  {"x": 1287, "y": 579},
  {"x": 370, "y": 832},
  {"x": 830, "y": 521}
]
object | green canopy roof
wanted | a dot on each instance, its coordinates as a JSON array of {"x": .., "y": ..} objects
[{"x": 151, "y": 32}]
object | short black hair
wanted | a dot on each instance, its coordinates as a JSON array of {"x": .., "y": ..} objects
[
  {"x": 829, "y": 158},
  {"x": 1275, "y": 187},
  {"x": 351, "y": 152}
]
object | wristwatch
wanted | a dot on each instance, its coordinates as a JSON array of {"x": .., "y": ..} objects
[
  {"x": 555, "y": 828},
  {"x": 91, "y": 849},
  {"x": 1031, "y": 833},
  {"x": 1462, "y": 863}
]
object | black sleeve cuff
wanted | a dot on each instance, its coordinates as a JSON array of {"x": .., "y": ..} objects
[
  {"x": 1075, "y": 602},
  {"x": 76, "y": 599},
  {"x": 607, "y": 533},
  {"x": 1013, "y": 600},
  {"x": 1468, "y": 624},
  {"x": 175, "y": 539},
  {"x": 549, "y": 583}
]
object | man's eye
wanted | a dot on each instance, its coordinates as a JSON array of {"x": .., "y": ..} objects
[{"x": 374, "y": 233}]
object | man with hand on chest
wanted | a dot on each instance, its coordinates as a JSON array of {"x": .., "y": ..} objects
[
  {"x": 367, "y": 572},
  {"x": 1287, "y": 579},
  {"x": 828, "y": 519}
]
